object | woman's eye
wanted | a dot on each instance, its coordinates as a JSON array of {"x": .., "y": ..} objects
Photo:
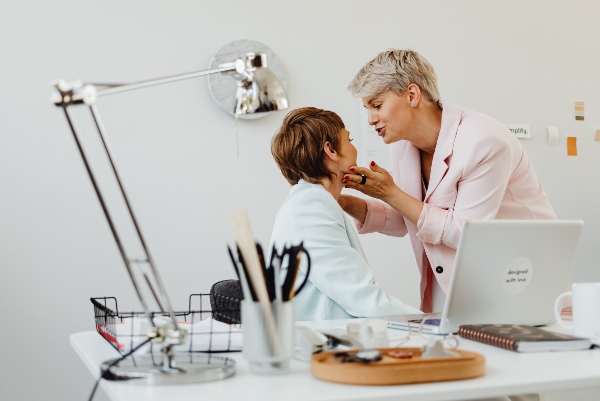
[
  {"x": 351, "y": 139},
  {"x": 377, "y": 106}
]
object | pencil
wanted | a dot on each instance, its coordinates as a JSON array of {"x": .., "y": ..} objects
[{"x": 296, "y": 268}]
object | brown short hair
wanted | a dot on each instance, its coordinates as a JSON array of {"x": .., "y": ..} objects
[{"x": 298, "y": 145}]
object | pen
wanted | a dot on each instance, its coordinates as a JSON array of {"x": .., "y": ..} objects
[
  {"x": 290, "y": 276},
  {"x": 243, "y": 281},
  {"x": 296, "y": 268},
  {"x": 267, "y": 273},
  {"x": 235, "y": 266},
  {"x": 276, "y": 266}
]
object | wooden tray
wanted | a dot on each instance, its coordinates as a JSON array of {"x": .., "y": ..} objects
[{"x": 398, "y": 371}]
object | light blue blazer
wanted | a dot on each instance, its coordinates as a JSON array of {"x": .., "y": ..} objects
[{"x": 341, "y": 284}]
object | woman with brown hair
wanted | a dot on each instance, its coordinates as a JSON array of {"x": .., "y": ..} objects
[{"x": 313, "y": 149}]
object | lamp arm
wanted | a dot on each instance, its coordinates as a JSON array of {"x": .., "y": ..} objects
[
  {"x": 72, "y": 93},
  {"x": 158, "y": 81}
]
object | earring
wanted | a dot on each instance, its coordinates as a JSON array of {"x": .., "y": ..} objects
[{"x": 413, "y": 104}]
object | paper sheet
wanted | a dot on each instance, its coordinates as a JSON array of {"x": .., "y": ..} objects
[
  {"x": 572, "y": 146},
  {"x": 553, "y": 136},
  {"x": 579, "y": 109},
  {"x": 207, "y": 334},
  {"x": 520, "y": 130}
]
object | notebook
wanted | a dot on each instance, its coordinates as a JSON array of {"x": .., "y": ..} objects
[
  {"x": 522, "y": 338},
  {"x": 505, "y": 272}
]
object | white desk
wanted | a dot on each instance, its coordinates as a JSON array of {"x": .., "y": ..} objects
[{"x": 506, "y": 373}]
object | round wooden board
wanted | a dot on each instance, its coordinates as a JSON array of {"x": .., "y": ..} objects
[{"x": 390, "y": 370}]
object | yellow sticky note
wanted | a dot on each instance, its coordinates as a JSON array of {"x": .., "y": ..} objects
[
  {"x": 572, "y": 145},
  {"x": 597, "y": 137}
]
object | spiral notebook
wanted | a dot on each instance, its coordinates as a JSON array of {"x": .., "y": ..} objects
[{"x": 522, "y": 338}]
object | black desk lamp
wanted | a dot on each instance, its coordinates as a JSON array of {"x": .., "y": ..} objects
[{"x": 258, "y": 91}]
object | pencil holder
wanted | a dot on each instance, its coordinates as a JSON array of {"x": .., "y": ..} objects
[{"x": 268, "y": 343}]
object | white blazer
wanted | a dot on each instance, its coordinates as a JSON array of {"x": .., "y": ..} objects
[{"x": 341, "y": 284}]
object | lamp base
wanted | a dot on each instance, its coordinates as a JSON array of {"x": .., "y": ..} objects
[{"x": 186, "y": 368}]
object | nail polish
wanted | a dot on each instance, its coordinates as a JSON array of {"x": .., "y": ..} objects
[
  {"x": 372, "y": 163},
  {"x": 351, "y": 168}
]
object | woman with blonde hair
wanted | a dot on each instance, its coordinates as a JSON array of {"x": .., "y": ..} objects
[
  {"x": 314, "y": 152},
  {"x": 450, "y": 165}
]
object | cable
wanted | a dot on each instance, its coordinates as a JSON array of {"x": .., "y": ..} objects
[{"x": 103, "y": 373}]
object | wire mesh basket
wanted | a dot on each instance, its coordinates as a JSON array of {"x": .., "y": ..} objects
[{"x": 207, "y": 331}]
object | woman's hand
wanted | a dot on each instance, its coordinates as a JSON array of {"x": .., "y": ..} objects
[
  {"x": 377, "y": 182},
  {"x": 355, "y": 207}
]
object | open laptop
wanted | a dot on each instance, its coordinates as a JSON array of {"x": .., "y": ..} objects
[{"x": 505, "y": 272}]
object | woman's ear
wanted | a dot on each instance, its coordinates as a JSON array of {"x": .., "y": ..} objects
[
  {"x": 414, "y": 94},
  {"x": 330, "y": 152}
]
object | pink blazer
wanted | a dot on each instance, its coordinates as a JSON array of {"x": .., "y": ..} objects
[{"x": 479, "y": 171}]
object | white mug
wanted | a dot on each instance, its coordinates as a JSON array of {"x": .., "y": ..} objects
[{"x": 586, "y": 309}]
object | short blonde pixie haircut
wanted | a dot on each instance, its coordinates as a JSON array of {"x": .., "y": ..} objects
[
  {"x": 297, "y": 147},
  {"x": 394, "y": 70}
]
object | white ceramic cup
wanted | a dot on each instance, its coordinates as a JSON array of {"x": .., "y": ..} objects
[{"x": 586, "y": 309}]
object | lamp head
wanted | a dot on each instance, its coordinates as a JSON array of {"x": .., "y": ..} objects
[{"x": 259, "y": 90}]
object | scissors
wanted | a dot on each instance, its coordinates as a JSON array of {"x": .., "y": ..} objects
[{"x": 288, "y": 289}]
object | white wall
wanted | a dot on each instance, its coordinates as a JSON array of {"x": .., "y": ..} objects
[{"x": 519, "y": 61}]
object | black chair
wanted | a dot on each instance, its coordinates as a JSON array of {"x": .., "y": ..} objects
[{"x": 225, "y": 297}]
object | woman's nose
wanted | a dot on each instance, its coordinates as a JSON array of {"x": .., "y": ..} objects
[{"x": 372, "y": 117}]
